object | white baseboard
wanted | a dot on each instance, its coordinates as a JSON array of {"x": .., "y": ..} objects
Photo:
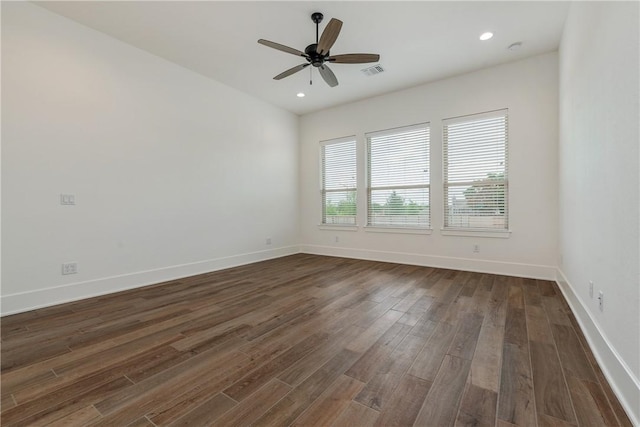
[
  {"x": 622, "y": 380},
  {"x": 545, "y": 272},
  {"x": 26, "y": 301}
]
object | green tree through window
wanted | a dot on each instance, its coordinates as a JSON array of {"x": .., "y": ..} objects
[{"x": 486, "y": 196}]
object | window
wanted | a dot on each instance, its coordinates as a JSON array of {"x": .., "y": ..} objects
[
  {"x": 339, "y": 181},
  {"x": 475, "y": 172},
  {"x": 398, "y": 177}
]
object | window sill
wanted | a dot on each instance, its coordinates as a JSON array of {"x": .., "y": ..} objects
[
  {"x": 499, "y": 234},
  {"x": 338, "y": 227},
  {"x": 398, "y": 230}
]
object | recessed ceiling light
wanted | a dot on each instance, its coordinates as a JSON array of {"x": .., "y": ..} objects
[
  {"x": 486, "y": 36},
  {"x": 300, "y": 95}
]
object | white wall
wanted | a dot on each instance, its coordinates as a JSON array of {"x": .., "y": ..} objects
[
  {"x": 173, "y": 173},
  {"x": 529, "y": 90},
  {"x": 600, "y": 182}
]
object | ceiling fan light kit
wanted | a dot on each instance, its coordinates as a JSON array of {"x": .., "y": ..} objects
[{"x": 317, "y": 54}]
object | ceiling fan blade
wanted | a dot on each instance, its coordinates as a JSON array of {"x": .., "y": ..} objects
[
  {"x": 282, "y": 47},
  {"x": 290, "y": 71},
  {"x": 328, "y": 75},
  {"x": 354, "y": 58},
  {"x": 329, "y": 36}
]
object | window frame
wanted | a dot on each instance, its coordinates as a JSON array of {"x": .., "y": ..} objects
[
  {"x": 324, "y": 190},
  {"x": 398, "y": 228},
  {"x": 458, "y": 230}
]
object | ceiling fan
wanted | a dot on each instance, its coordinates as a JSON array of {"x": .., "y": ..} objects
[{"x": 317, "y": 54}]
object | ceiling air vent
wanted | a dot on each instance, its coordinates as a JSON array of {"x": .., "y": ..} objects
[{"x": 372, "y": 71}]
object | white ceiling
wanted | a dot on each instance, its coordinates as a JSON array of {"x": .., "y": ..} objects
[{"x": 418, "y": 41}]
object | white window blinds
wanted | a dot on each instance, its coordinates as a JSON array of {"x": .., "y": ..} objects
[
  {"x": 339, "y": 181},
  {"x": 475, "y": 171},
  {"x": 398, "y": 177}
]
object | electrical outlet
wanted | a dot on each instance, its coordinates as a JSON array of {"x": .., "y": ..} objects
[
  {"x": 337, "y": 239},
  {"x": 268, "y": 241},
  {"x": 591, "y": 288},
  {"x": 601, "y": 300},
  {"x": 476, "y": 248},
  {"x": 69, "y": 268}
]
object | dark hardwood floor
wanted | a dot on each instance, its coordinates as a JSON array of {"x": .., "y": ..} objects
[{"x": 308, "y": 340}]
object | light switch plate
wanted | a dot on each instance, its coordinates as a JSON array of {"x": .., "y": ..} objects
[{"x": 67, "y": 199}]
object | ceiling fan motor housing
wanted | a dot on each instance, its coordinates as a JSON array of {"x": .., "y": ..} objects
[{"x": 314, "y": 57}]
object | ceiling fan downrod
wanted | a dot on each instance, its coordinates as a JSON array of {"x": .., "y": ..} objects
[{"x": 317, "y": 17}]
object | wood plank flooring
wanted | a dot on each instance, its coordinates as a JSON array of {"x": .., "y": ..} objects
[{"x": 308, "y": 341}]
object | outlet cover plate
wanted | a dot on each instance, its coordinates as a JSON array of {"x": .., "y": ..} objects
[
  {"x": 69, "y": 268},
  {"x": 601, "y": 300}
]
